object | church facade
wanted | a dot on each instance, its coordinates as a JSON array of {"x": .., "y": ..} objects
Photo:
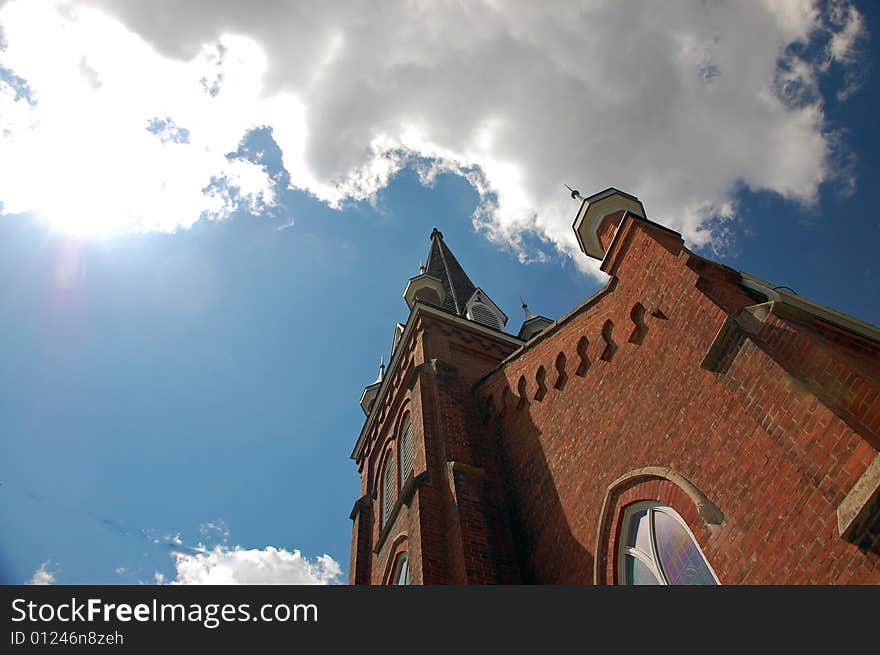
[{"x": 687, "y": 424}]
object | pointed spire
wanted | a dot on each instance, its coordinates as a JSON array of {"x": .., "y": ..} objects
[
  {"x": 422, "y": 268},
  {"x": 381, "y": 369},
  {"x": 526, "y": 309},
  {"x": 443, "y": 265}
]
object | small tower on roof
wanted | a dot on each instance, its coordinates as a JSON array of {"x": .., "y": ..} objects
[
  {"x": 370, "y": 391},
  {"x": 533, "y": 325},
  {"x": 599, "y": 216}
]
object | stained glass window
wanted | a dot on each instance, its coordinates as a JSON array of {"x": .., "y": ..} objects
[
  {"x": 658, "y": 548},
  {"x": 639, "y": 572}
]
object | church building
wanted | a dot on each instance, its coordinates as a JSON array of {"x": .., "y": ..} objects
[{"x": 686, "y": 424}]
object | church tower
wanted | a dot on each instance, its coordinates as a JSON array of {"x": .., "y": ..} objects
[{"x": 431, "y": 509}]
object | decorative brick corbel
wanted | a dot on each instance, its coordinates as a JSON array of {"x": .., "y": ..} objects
[
  {"x": 858, "y": 515},
  {"x": 475, "y": 474},
  {"x": 750, "y": 321}
]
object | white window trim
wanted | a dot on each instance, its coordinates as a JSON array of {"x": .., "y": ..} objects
[{"x": 650, "y": 559}]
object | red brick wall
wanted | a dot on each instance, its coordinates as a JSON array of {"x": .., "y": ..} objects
[
  {"x": 454, "y": 524},
  {"x": 514, "y": 462},
  {"x": 607, "y": 228},
  {"x": 762, "y": 437}
]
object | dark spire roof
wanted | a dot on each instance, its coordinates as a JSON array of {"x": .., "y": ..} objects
[{"x": 443, "y": 265}]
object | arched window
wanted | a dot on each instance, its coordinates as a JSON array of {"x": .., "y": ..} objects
[
  {"x": 389, "y": 489},
  {"x": 401, "y": 571},
  {"x": 657, "y": 548},
  {"x": 406, "y": 450}
]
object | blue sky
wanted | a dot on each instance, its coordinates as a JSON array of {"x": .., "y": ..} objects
[{"x": 190, "y": 385}]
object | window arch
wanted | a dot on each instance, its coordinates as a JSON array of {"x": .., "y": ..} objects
[
  {"x": 658, "y": 548},
  {"x": 406, "y": 449},
  {"x": 389, "y": 489},
  {"x": 401, "y": 571}
]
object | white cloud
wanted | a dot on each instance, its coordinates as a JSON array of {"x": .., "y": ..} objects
[
  {"x": 224, "y": 565},
  {"x": 678, "y": 102},
  {"x": 43, "y": 576},
  {"x": 80, "y": 152},
  {"x": 215, "y": 532},
  {"x": 851, "y": 29}
]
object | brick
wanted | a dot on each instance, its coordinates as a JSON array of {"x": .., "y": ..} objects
[{"x": 774, "y": 438}]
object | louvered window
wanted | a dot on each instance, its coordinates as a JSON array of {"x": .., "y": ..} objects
[
  {"x": 388, "y": 488},
  {"x": 483, "y": 314},
  {"x": 406, "y": 451}
]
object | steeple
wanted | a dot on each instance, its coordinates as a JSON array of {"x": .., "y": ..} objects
[
  {"x": 443, "y": 265},
  {"x": 409, "y": 448},
  {"x": 444, "y": 283}
]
